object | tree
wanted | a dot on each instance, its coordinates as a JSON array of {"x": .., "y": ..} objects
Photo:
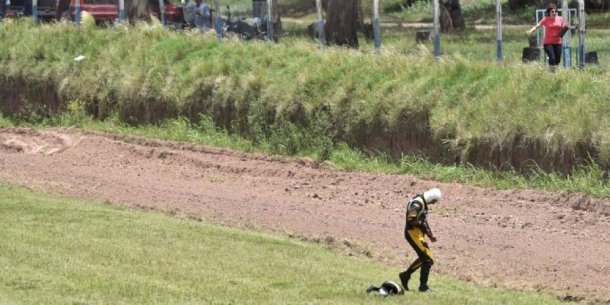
[
  {"x": 597, "y": 5},
  {"x": 62, "y": 7},
  {"x": 451, "y": 16},
  {"x": 408, "y": 3},
  {"x": 342, "y": 22},
  {"x": 135, "y": 9},
  {"x": 516, "y": 4},
  {"x": 260, "y": 10},
  {"x": 590, "y": 5},
  {"x": 277, "y": 20}
]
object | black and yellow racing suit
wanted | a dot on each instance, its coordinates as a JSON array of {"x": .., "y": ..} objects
[{"x": 416, "y": 229}]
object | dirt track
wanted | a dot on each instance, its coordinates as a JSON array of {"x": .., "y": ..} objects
[{"x": 518, "y": 239}]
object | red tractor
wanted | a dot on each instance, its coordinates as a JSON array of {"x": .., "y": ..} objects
[
  {"x": 107, "y": 11},
  {"x": 174, "y": 15}
]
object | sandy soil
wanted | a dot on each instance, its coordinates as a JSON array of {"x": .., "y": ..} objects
[{"x": 520, "y": 239}]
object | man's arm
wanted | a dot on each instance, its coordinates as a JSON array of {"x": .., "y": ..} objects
[{"x": 427, "y": 230}]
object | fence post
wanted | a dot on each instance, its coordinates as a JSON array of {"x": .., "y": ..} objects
[
  {"x": 437, "y": 32},
  {"x": 499, "y": 30},
  {"x": 162, "y": 12},
  {"x": 270, "y": 19},
  {"x": 121, "y": 10},
  {"x": 321, "y": 37},
  {"x": 34, "y": 10},
  {"x": 376, "y": 25},
  {"x": 77, "y": 12},
  {"x": 581, "y": 34},
  {"x": 567, "y": 56},
  {"x": 218, "y": 23}
]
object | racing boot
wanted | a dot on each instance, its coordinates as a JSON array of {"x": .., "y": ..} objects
[
  {"x": 405, "y": 276},
  {"x": 423, "y": 278}
]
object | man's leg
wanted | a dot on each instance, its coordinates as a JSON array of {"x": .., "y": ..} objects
[
  {"x": 425, "y": 272},
  {"x": 417, "y": 240},
  {"x": 405, "y": 276}
]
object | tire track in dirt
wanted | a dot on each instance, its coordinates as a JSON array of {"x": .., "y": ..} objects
[
  {"x": 525, "y": 239},
  {"x": 34, "y": 143}
]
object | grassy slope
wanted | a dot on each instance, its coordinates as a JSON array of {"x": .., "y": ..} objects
[
  {"x": 57, "y": 250},
  {"x": 181, "y": 73},
  {"x": 466, "y": 95}
]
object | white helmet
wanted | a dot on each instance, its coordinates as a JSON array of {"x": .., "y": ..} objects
[{"x": 432, "y": 195}]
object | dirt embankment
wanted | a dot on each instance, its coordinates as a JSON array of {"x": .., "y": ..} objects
[{"x": 525, "y": 239}]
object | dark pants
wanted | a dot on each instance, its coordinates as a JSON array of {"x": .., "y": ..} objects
[
  {"x": 416, "y": 239},
  {"x": 553, "y": 52}
]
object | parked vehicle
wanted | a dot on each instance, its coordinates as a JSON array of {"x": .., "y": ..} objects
[
  {"x": 174, "y": 15},
  {"x": 103, "y": 11},
  {"x": 106, "y": 11},
  {"x": 239, "y": 26},
  {"x": 21, "y": 8}
]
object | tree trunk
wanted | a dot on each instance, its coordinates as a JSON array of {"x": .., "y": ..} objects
[
  {"x": 451, "y": 16},
  {"x": 597, "y": 5},
  {"x": 342, "y": 23},
  {"x": 61, "y": 7},
  {"x": 360, "y": 18},
  {"x": 137, "y": 10},
  {"x": 517, "y": 4},
  {"x": 277, "y": 20},
  {"x": 408, "y": 3}
]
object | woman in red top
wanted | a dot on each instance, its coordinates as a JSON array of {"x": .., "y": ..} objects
[{"x": 552, "y": 39}]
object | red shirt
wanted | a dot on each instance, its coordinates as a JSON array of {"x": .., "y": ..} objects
[{"x": 552, "y": 27}]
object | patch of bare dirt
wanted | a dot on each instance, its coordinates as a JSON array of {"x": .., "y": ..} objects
[{"x": 520, "y": 239}]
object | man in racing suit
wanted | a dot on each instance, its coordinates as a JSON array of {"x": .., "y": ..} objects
[{"x": 416, "y": 229}]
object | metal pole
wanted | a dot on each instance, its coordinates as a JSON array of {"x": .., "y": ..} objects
[
  {"x": 437, "y": 32},
  {"x": 581, "y": 34},
  {"x": 121, "y": 10},
  {"x": 539, "y": 36},
  {"x": 567, "y": 56},
  {"x": 376, "y": 25},
  {"x": 77, "y": 12},
  {"x": 321, "y": 37},
  {"x": 218, "y": 23},
  {"x": 270, "y": 19},
  {"x": 34, "y": 10},
  {"x": 162, "y": 11},
  {"x": 499, "y": 30}
]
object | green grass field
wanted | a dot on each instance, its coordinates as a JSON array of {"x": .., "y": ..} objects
[{"x": 57, "y": 250}]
